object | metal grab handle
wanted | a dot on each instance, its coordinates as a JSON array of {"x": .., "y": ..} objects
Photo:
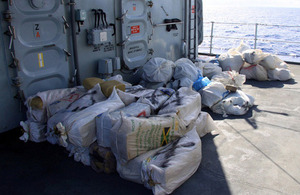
[{"x": 123, "y": 15}]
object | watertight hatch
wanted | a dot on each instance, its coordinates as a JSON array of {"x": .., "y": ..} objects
[
  {"x": 39, "y": 45},
  {"x": 135, "y": 26}
]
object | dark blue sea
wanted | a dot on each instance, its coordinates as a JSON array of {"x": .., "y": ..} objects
[{"x": 278, "y": 30}]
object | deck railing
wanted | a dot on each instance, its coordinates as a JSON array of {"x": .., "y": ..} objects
[{"x": 253, "y": 36}]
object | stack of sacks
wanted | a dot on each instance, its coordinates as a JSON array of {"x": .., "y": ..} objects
[
  {"x": 35, "y": 126},
  {"x": 257, "y": 65},
  {"x": 63, "y": 108},
  {"x": 213, "y": 93},
  {"x": 157, "y": 72}
]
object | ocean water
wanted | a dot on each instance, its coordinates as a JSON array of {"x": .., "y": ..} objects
[{"x": 282, "y": 39}]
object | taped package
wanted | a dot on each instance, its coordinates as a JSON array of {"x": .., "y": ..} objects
[
  {"x": 77, "y": 100},
  {"x": 133, "y": 136},
  {"x": 81, "y": 126},
  {"x": 185, "y": 102},
  {"x": 170, "y": 167},
  {"x": 105, "y": 121},
  {"x": 132, "y": 94},
  {"x": 156, "y": 99},
  {"x": 213, "y": 93},
  {"x": 231, "y": 78},
  {"x": 256, "y": 72},
  {"x": 37, "y": 104},
  {"x": 33, "y": 131},
  {"x": 237, "y": 103}
]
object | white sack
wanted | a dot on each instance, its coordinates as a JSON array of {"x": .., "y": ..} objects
[
  {"x": 151, "y": 85},
  {"x": 132, "y": 94},
  {"x": 185, "y": 68},
  {"x": 185, "y": 102},
  {"x": 156, "y": 99},
  {"x": 213, "y": 93},
  {"x": 183, "y": 82},
  {"x": 237, "y": 103},
  {"x": 105, "y": 121},
  {"x": 204, "y": 124},
  {"x": 232, "y": 78},
  {"x": 47, "y": 98},
  {"x": 270, "y": 62},
  {"x": 229, "y": 62},
  {"x": 133, "y": 136},
  {"x": 256, "y": 72},
  {"x": 119, "y": 78},
  {"x": 172, "y": 166},
  {"x": 242, "y": 47},
  {"x": 158, "y": 70},
  {"x": 211, "y": 69},
  {"x": 77, "y": 100},
  {"x": 33, "y": 131},
  {"x": 280, "y": 74},
  {"x": 81, "y": 126},
  {"x": 253, "y": 56}
]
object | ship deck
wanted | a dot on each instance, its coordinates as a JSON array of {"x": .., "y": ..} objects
[{"x": 258, "y": 153}]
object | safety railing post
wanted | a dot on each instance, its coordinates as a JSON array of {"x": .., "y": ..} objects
[
  {"x": 255, "y": 36},
  {"x": 211, "y": 37}
]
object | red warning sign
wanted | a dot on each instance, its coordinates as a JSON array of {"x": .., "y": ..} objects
[
  {"x": 193, "y": 9},
  {"x": 135, "y": 29}
]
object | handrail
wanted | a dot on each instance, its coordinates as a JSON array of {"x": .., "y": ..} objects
[{"x": 254, "y": 38}]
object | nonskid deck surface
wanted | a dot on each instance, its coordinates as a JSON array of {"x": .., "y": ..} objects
[{"x": 257, "y": 153}]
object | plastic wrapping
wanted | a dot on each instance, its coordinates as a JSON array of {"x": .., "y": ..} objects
[
  {"x": 256, "y": 72},
  {"x": 211, "y": 69},
  {"x": 253, "y": 56},
  {"x": 231, "y": 61},
  {"x": 185, "y": 68},
  {"x": 105, "y": 121},
  {"x": 213, "y": 93},
  {"x": 38, "y": 103},
  {"x": 237, "y": 103},
  {"x": 280, "y": 74},
  {"x": 185, "y": 102},
  {"x": 270, "y": 62},
  {"x": 231, "y": 78},
  {"x": 173, "y": 165},
  {"x": 33, "y": 131},
  {"x": 132, "y": 136},
  {"x": 158, "y": 70},
  {"x": 132, "y": 94}
]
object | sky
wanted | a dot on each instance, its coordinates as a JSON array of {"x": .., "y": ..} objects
[{"x": 252, "y": 3}]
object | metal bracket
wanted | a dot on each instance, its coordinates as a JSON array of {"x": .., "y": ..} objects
[
  {"x": 66, "y": 24},
  {"x": 16, "y": 82},
  {"x": 123, "y": 42},
  {"x": 15, "y": 63},
  {"x": 7, "y": 16},
  {"x": 68, "y": 54},
  {"x": 150, "y": 3},
  {"x": 122, "y": 17}
]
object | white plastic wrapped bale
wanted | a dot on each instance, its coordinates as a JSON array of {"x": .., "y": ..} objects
[
  {"x": 213, "y": 93},
  {"x": 81, "y": 126},
  {"x": 270, "y": 62},
  {"x": 33, "y": 131},
  {"x": 185, "y": 102},
  {"x": 132, "y": 94},
  {"x": 211, "y": 69},
  {"x": 253, "y": 56},
  {"x": 185, "y": 68},
  {"x": 38, "y": 103},
  {"x": 204, "y": 124},
  {"x": 256, "y": 72},
  {"x": 232, "y": 78},
  {"x": 156, "y": 99},
  {"x": 77, "y": 100},
  {"x": 81, "y": 154},
  {"x": 105, "y": 121},
  {"x": 119, "y": 78},
  {"x": 158, "y": 70},
  {"x": 280, "y": 74},
  {"x": 170, "y": 167},
  {"x": 132, "y": 170},
  {"x": 133, "y": 136},
  {"x": 231, "y": 60},
  {"x": 237, "y": 103}
]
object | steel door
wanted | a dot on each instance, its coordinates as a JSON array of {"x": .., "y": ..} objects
[
  {"x": 135, "y": 27},
  {"x": 40, "y": 45}
]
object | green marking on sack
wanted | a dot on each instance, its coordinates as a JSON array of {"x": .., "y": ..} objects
[{"x": 165, "y": 136}]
